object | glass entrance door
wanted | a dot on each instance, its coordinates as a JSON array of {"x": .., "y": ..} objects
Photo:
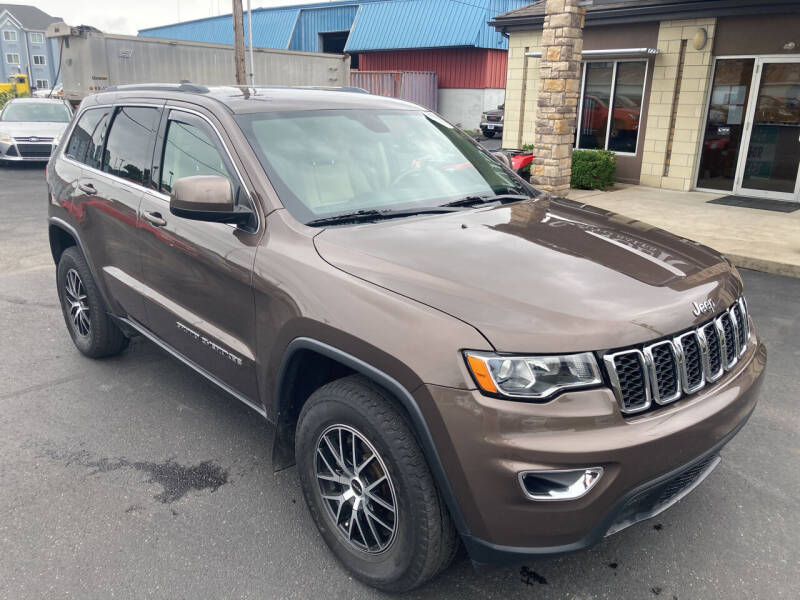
[{"x": 769, "y": 167}]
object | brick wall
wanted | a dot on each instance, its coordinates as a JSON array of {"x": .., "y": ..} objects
[
  {"x": 522, "y": 89},
  {"x": 681, "y": 77}
]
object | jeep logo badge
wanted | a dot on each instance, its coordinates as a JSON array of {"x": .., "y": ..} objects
[{"x": 703, "y": 307}]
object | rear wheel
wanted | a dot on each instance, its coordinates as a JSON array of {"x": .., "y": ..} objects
[
  {"x": 369, "y": 488},
  {"x": 488, "y": 134},
  {"x": 92, "y": 330}
]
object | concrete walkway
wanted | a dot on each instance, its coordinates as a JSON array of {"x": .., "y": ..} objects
[{"x": 756, "y": 239}]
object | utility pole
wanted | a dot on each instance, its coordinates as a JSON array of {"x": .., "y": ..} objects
[
  {"x": 250, "y": 35},
  {"x": 238, "y": 42}
]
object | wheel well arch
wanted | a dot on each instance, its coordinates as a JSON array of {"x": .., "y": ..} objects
[
  {"x": 297, "y": 380},
  {"x": 60, "y": 240}
]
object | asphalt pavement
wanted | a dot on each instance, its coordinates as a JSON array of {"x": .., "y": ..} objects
[{"x": 133, "y": 477}]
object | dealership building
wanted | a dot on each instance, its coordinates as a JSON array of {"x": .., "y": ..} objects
[
  {"x": 448, "y": 38},
  {"x": 701, "y": 94}
]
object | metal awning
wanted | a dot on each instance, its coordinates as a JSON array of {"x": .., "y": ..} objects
[{"x": 609, "y": 52}]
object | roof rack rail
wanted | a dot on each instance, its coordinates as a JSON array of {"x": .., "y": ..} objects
[{"x": 184, "y": 86}]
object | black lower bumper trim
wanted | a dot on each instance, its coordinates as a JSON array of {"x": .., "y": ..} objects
[{"x": 627, "y": 511}]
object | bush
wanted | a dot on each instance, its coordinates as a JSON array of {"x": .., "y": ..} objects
[
  {"x": 5, "y": 97},
  {"x": 593, "y": 169}
]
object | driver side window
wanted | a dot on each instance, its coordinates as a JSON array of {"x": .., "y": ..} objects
[{"x": 189, "y": 150}]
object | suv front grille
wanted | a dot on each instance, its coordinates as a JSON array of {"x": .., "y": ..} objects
[{"x": 664, "y": 371}]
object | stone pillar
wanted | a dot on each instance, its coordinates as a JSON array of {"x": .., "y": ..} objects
[{"x": 559, "y": 88}]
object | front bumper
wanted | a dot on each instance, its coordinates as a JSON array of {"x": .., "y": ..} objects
[
  {"x": 492, "y": 125},
  {"x": 649, "y": 460}
]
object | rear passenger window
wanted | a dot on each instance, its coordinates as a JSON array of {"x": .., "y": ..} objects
[
  {"x": 190, "y": 150},
  {"x": 86, "y": 143},
  {"x": 129, "y": 149}
]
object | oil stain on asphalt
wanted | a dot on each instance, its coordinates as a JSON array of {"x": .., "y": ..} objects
[
  {"x": 530, "y": 577},
  {"x": 175, "y": 479}
]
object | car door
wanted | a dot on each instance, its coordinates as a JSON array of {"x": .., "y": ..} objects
[
  {"x": 115, "y": 147},
  {"x": 198, "y": 275}
]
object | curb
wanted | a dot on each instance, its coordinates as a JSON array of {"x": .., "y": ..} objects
[{"x": 766, "y": 266}]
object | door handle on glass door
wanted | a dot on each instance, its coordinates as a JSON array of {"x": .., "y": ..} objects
[{"x": 154, "y": 218}]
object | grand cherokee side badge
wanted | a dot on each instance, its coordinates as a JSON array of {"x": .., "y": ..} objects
[
  {"x": 703, "y": 307},
  {"x": 209, "y": 344}
]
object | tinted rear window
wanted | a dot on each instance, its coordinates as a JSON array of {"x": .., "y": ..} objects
[
  {"x": 129, "y": 149},
  {"x": 86, "y": 143}
]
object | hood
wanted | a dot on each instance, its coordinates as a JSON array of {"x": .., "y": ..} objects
[
  {"x": 541, "y": 275},
  {"x": 36, "y": 129}
]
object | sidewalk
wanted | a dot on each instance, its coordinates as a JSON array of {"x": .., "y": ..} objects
[{"x": 756, "y": 239}]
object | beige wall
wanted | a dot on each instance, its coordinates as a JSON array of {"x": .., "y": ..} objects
[
  {"x": 522, "y": 81},
  {"x": 662, "y": 117},
  {"x": 684, "y": 119}
]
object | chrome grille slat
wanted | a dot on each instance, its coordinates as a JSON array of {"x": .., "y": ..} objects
[
  {"x": 662, "y": 362},
  {"x": 692, "y": 362},
  {"x": 664, "y": 371},
  {"x": 633, "y": 395}
]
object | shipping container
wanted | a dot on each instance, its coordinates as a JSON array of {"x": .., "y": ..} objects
[
  {"x": 92, "y": 61},
  {"x": 417, "y": 87},
  {"x": 457, "y": 68}
]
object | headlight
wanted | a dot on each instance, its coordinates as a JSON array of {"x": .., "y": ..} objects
[
  {"x": 534, "y": 377},
  {"x": 56, "y": 140},
  {"x": 5, "y": 137}
]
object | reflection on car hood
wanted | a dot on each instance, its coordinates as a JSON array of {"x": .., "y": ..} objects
[
  {"x": 541, "y": 275},
  {"x": 28, "y": 129}
]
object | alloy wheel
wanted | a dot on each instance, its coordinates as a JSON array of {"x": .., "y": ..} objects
[
  {"x": 76, "y": 298},
  {"x": 356, "y": 489}
]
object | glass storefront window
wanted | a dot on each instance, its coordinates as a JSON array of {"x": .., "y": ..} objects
[
  {"x": 594, "y": 110},
  {"x": 627, "y": 106},
  {"x": 774, "y": 151},
  {"x": 725, "y": 123},
  {"x": 625, "y": 81}
]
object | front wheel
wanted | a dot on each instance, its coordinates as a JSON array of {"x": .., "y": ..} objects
[
  {"x": 369, "y": 489},
  {"x": 92, "y": 330}
]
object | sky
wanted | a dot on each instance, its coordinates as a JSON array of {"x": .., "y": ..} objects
[{"x": 129, "y": 16}]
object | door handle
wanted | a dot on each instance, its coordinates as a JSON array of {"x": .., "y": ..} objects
[
  {"x": 154, "y": 218},
  {"x": 87, "y": 187}
]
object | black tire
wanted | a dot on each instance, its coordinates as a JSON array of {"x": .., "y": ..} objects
[
  {"x": 489, "y": 134},
  {"x": 424, "y": 541},
  {"x": 95, "y": 334}
]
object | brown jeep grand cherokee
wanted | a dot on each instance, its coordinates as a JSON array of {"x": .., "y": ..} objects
[{"x": 447, "y": 355}]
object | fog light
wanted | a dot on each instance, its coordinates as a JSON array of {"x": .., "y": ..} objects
[{"x": 569, "y": 484}]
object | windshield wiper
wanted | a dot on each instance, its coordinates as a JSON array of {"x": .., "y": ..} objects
[
  {"x": 476, "y": 200},
  {"x": 362, "y": 216}
]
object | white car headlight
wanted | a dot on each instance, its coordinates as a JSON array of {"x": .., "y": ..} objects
[
  {"x": 533, "y": 377},
  {"x": 6, "y": 137}
]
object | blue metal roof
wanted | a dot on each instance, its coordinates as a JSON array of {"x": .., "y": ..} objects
[{"x": 373, "y": 25}]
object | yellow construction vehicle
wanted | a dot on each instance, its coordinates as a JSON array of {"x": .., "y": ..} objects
[{"x": 17, "y": 84}]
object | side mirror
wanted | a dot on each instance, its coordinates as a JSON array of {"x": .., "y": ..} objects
[{"x": 207, "y": 198}]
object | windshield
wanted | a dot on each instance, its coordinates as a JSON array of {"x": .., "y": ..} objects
[
  {"x": 39, "y": 112},
  {"x": 332, "y": 162}
]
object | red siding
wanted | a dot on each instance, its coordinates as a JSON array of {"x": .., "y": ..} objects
[{"x": 459, "y": 68}]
